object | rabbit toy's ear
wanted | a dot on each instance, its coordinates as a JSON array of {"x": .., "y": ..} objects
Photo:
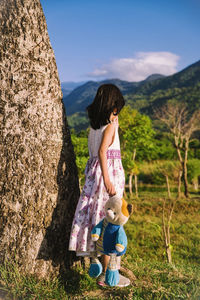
[{"x": 130, "y": 208}]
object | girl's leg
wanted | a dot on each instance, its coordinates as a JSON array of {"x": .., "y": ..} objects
[{"x": 105, "y": 261}]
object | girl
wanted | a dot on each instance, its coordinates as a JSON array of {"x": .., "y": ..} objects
[{"x": 104, "y": 171}]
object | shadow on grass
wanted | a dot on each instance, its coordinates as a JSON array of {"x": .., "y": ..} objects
[
  {"x": 110, "y": 293},
  {"x": 72, "y": 281},
  {"x": 76, "y": 280}
]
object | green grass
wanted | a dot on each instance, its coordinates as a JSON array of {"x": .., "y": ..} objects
[
  {"x": 145, "y": 232},
  {"x": 16, "y": 285},
  {"x": 145, "y": 257},
  {"x": 19, "y": 286}
]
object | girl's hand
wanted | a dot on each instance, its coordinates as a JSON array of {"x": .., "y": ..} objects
[{"x": 109, "y": 187}]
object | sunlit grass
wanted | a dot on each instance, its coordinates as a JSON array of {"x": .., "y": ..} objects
[{"x": 145, "y": 257}]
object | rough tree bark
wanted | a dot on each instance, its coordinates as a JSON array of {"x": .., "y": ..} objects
[{"x": 38, "y": 179}]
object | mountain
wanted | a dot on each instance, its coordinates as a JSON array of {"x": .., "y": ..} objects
[
  {"x": 182, "y": 86},
  {"x": 68, "y": 86},
  {"x": 154, "y": 77},
  {"x": 83, "y": 95},
  {"x": 66, "y": 92},
  {"x": 80, "y": 97},
  {"x": 144, "y": 96},
  {"x": 77, "y": 101},
  {"x": 189, "y": 76}
]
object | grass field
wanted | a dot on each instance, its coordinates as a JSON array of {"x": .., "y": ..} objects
[{"x": 152, "y": 277}]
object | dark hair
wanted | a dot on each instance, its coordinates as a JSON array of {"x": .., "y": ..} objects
[{"x": 108, "y": 98}]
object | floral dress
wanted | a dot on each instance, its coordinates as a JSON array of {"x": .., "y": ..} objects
[{"x": 90, "y": 207}]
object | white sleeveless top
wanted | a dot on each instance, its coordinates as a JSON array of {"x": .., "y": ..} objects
[{"x": 95, "y": 137}]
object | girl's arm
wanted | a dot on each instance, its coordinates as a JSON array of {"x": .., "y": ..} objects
[{"x": 107, "y": 140}]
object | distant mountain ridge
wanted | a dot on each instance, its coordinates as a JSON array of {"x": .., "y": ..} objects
[
  {"x": 69, "y": 86},
  {"x": 154, "y": 77},
  {"x": 80, "y": 97},
  {"x": 189, "y": 76},
  {"x": 182, "y": 86},
  {"x": 144, "y": 96}
]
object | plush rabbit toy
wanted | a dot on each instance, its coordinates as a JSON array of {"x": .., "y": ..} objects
[{"x": 110, "y": 238}]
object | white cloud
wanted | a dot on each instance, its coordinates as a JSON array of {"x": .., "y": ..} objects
[{"x": 139, "y": 67}]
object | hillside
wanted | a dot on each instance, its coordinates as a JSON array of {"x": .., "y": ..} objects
[
  {"x": 69, "y": 86},
  {"x": 189, "y": 76},
  {"x": 145, "y": 95},
  {"x": 183, "y": 86},
  {"x": 81, "y": 96}
]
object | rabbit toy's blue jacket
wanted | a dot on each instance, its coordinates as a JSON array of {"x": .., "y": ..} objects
[{"x": 110, "y": 236}]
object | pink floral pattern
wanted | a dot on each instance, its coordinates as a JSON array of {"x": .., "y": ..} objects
[{"x": 90, "y": 207}]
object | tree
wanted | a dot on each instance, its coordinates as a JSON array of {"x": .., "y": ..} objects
[
  {"x": 165, "y": 168},
  {"x": 172, "y": 172},
  {"x": 132, "y": 169},
  {"x": 136, "y": 139},
  {"x": 38, "y": 176},
  {"x": 182, "y": 125},
  {"x": 166, "y": 224}
]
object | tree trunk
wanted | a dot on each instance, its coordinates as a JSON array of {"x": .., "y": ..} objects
[
  {"x": 184, "y": 166},
  {"x": 38, "y": 180},
  {"x": 136, "y": 186},
  {"x": 166, "y": 221},
  {"x": 80, "y": 186},
  {"x": 195, "y": 184},
  {"x": 130, "y": 184},
  {"x": 125, "y": 194},
  {"x": 179, "y": 153},
  {"x": 131, "y": 175},
  {"x": 185, "y": 180},
  {"x": 179, "y": 184},
  {"x": 169, "y": 254},
  {"x": 168, "y": 187},
  {"x": 134, "y": 154}
]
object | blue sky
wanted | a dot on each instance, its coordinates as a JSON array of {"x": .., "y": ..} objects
[{"x": 125, "y": 39}]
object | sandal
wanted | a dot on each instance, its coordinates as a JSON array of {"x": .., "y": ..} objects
[
  {"x": 123, "y": 281},
  {"x": 101, "y": 279}
]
